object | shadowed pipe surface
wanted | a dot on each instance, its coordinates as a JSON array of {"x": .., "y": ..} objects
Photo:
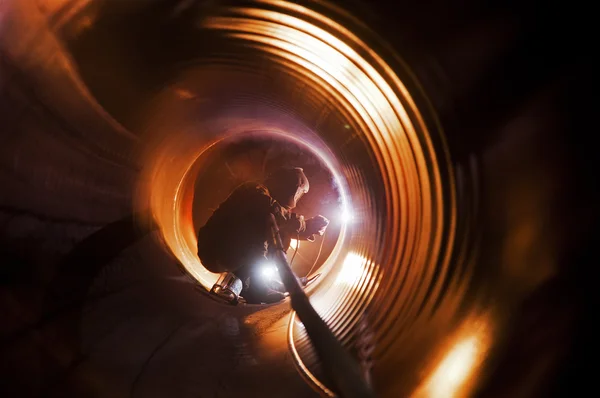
[{"x": 87, "y": 86}]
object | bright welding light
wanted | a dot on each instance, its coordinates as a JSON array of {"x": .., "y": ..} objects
[
  {"x": 346, "y": 216},
  {"x": 269, "y": 271}
]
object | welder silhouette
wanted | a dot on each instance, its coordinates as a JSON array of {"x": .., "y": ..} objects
[{"x": 236, "y": 237}]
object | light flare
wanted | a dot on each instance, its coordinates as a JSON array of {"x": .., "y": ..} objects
[
  {"x": 454, "y": 375},
  {"x": 269, "y": 271},
  {"x": 354, "y": 269},
  {"x": 294, "y": 244},
  {"x": 346, "y": 215}
]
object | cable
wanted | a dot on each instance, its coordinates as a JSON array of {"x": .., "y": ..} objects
[
  {"x": 318, "y": 254},
  {"x": 295, "y": 248}
]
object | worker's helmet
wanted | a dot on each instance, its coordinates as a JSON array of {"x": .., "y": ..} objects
[{"x": 287, "y": 185}]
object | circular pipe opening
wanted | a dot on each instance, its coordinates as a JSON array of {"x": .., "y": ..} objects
[
  {"x": 251, "y": 156},
  {"x": 193, "y": 71},
  {"x": 305, "y": 76}
]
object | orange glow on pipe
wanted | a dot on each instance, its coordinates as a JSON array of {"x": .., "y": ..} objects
[
  {"x": 392, "y": 256},
  {"x": 454, "y": 374}
]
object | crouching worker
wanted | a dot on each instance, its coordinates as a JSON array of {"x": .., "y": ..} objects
[{"x": 236, "y": 237}]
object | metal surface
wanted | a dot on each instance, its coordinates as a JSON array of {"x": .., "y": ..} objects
[{"x": 457, "y": 140}]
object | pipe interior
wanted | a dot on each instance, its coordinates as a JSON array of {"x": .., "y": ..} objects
[{"x": 445, "y": 204}]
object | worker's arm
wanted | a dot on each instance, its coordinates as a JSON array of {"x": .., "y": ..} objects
[
  {"x": 290, "y": 224},
  {"x": 314, "y": 226}
]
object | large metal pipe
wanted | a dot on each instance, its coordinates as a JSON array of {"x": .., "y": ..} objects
[{"x": 452, "y": 134}]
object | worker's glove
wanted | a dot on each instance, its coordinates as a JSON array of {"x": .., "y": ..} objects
[
  {"x": 295, "y": 224},
  {"x": 315, "y": 226}
]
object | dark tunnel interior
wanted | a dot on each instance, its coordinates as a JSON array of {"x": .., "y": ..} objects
[{"x": 459, "y": 136}]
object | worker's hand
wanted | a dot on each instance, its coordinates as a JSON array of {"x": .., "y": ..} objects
[
  {"x": 316, "y": 226},
  {"x": 294, "y": 224}
]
